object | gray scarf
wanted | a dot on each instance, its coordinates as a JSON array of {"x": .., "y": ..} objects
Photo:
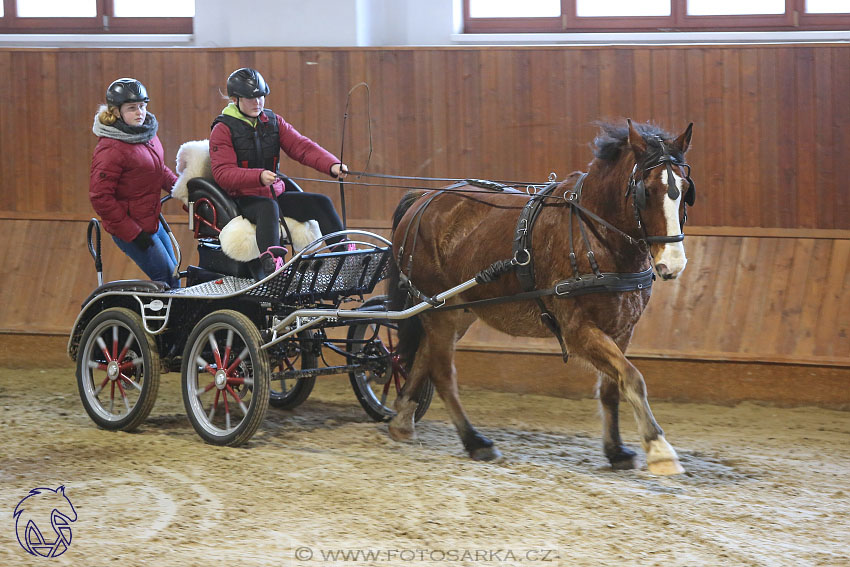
[{"x": 124, "y": 132}]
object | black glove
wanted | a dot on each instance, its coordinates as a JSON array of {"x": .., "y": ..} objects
[{"x": 143, "y": 241}]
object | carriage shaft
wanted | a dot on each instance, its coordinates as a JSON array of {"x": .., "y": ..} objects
[{"x": 322, "y": 315}]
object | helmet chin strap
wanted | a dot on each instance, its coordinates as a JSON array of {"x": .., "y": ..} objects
[{"x": 238, "y": 98}]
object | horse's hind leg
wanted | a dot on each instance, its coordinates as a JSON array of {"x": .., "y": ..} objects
[
  {"x": 435, "y": 360},
  {"x": 606, "y": 356}
]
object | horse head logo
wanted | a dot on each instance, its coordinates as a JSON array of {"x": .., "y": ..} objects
[{"x": 39, "y": 506}]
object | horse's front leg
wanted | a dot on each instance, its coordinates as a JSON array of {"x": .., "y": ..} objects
[
  {"x": 620, "y": 456},
  {"x": 607, "y": 357}
]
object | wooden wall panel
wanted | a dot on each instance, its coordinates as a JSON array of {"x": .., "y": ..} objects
[
  {"x": 771, "y": 134},
  {"x": 770, "y": 121},
  {"x": 740, "y": 298},
  {"x": 765, "y": 299}
]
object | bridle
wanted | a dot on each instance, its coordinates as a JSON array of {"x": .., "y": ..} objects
[{"x": 637, "y": 188}]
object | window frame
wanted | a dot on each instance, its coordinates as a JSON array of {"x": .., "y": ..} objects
[
  {"x": 102, "y": 23},
  {"x": 794, "y": 19}
]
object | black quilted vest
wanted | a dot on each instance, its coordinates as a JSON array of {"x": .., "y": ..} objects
[{"x": 255, "y": 147}]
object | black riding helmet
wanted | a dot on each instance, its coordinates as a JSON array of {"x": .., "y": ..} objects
[
  {"x": 246, "y": 83},
  {"x": 126, "y": 90}
]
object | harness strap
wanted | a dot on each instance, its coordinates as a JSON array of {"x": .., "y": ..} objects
[
  {"x": 522, "y": 240},
  {"x": 573, "y": 287},
  {"x": 522, "y": 247},
  {"x": 404, "y": 280}
]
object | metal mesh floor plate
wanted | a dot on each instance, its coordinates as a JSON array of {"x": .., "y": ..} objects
[
  {"x": 323, "y": 276},
  {"x": 223, "y": 286}
]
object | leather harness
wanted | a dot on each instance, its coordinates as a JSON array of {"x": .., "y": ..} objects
[{"x": 522, "y": 262}]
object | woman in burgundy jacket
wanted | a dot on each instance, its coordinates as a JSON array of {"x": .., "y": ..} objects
[
  {"x": 245, "y": 145},
  {"x": 127, "y": 174}
]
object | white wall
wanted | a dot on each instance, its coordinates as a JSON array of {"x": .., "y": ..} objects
[{"x": 328, "y": 23}]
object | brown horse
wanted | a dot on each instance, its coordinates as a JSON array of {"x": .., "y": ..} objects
[{"x": 630, "y": 212}]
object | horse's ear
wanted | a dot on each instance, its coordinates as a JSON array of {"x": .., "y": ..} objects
[
  {"x": 636, "y": 141},
  {"x": 683, "y": 142}
]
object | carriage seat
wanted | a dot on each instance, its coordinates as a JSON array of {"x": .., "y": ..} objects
[{"x": 214, "y": 216}]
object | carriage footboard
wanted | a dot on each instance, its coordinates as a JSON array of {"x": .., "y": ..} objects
[{"x": 329, "y": 276}]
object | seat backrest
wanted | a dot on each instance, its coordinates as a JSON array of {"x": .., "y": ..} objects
[{"x": 212, "y": 207}]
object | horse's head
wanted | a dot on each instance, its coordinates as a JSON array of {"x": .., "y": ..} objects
[{"x": 661, "y": 188}]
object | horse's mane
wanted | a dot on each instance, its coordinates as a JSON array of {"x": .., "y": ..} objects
[{"x": 614, "y": 138}]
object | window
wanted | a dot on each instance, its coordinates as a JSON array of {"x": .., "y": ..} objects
[
  {"x": 488, "y": 16},
  {"x": 96, "y": 16}
]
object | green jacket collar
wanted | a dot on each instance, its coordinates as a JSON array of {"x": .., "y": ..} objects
[{"x": 231, "y": 110}]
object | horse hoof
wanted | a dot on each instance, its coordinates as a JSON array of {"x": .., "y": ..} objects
[
  {"x": 621, "y": 458},
  {"x": 399, "y": 434},
  {"x": 665, "y": 468},
  {"x": 626, "y": 463},
  {"x": 485, "y": 454}
]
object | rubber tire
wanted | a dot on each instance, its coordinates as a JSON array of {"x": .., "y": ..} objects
[
  {"x": 299, "y": 393},
  {"x": 132, "y": 322},
  {"x": 364, "y": 395},
  {"x": 250, "y": 336}
]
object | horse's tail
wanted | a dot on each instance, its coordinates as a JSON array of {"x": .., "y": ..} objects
[{"x": 410, "y": 330}]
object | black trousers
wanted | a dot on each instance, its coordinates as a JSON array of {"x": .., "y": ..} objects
[
  {"x": 306, "y": 206},
  {"x": 266, "y": 212},
  {"x": 263, "y": 212}
]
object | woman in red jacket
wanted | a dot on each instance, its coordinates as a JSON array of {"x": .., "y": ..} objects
[
  {"x": 127, "y": 174},
  {"x": 245, "y": 145}
]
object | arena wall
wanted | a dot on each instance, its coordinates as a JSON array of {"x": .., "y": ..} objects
[{"x": 769, "y": 237}]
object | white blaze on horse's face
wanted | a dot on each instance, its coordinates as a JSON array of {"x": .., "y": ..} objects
[{"x": 670, "y": 258}]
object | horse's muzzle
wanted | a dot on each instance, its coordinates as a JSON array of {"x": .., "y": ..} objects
[{"x": 665, "y": 272}]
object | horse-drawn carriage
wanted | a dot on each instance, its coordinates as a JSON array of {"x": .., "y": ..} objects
[
  {"x": 222, "y": 331},
  {"x": 245, "y": 344}
]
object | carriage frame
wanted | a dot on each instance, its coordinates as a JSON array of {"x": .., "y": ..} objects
[{"x": 240, "y": 343}]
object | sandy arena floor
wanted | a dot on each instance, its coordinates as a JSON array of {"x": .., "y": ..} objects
[{"x": 764, "y": 486}]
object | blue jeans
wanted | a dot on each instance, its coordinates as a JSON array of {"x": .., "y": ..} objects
[{"x": 158, "y": 261}]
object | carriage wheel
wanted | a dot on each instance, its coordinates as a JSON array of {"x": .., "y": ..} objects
[
  {"x": 117, "y": 370},
  {"x": 225, "y": 378},
  {"x": 380, "y": 381},
  {"x": 289, "y": 394}
]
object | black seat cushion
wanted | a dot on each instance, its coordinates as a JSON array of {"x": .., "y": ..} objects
[{"x": 213, "y": 207}]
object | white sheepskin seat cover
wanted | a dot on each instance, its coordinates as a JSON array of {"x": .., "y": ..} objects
[{"x": 238, "y": 238}]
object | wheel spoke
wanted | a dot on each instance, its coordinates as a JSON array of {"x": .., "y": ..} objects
[
  {"x": 115, "y": 342},
  {"x": 384, "y": 393},
  {"x": 205, "y": 365},
  {"x": 102, "y": 384},
  {"x": 95, "y": 365},
  {"x": 226, "y": 411},
  {"x": 242, "y": 405},
  {"x": 214, "y": 406},
  {"x": 102, "y": 344},
  {"x": 228, "y": 346},
  {"x": 123, "y": 395},
  {"x": 123, "y": 353},
  {"x": 112, "y": 397},
  {"x": 397, "y": 382},
  {"x": 130, "y": 381},
  {"x": 214, "y": 346},
  {"x": 209, "y": 387},
  {"x": 238, "y": 361},
  {"x": 128, "y": 364}
]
